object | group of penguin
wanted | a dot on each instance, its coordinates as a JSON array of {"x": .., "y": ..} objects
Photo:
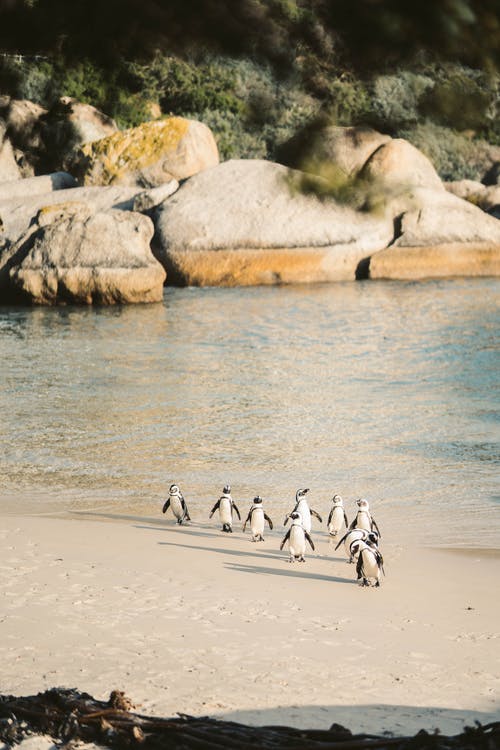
[{"x": 360, "y": 540}]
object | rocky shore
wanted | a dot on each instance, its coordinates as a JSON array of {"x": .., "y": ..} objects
[{"x": 125, "y": 212}]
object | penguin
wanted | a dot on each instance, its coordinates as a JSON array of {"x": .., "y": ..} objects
[
  {"x": 337, "y": 517},
  {"x": 226, "y": 505},
  {"x": 175, "y": 500},
  {"x": 256, "y": 516},
  {"x": 370, "y": 563},
  {"x": 296, "y": 537},
  {"x": 364, "y": 519},
  {"x": 357, "y": 535},
  {"x": 302, "y": 507}
]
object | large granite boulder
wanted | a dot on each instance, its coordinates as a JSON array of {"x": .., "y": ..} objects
[
  {"x": 398, "y": 164},
  {"x": 342, "y": 154},
  {"x": 69, "y": 125},
  {"x": 149, "y": 155},
  {"x": 244, "y": 222},
  {"x": 73, "y": 255},
  {"x": 321, "y": 147},
  {"x": 440, "y": 235},
  {"x": 18, "y": 212}
]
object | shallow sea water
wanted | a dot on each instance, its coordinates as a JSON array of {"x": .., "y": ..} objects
[{"x": 383, "y": 390}]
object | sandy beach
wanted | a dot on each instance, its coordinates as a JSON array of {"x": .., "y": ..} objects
[{"x": 188, "y": 619}]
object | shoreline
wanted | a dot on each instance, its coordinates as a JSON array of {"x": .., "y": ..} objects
[{"x": 187, "y": 619}]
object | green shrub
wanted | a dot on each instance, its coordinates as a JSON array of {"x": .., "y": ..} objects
[{"x": 454, "y": 155}]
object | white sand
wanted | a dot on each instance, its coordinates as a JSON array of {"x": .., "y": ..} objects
[{"x": 189, "y": 619}]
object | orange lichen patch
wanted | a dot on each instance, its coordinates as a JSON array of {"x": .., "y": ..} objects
[
  {"x": 249, "y": 267},
  {"x": 436, "y": 261},
  {"x": 135, "y": 149}
]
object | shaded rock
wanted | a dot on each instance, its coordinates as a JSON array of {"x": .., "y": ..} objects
[
  {"x": 321, "y": 146},
  {"x": 9, "y": 169},
  {"x": 67, "y": 126},
  {"x": 492, "y": 176},
  {"x": 72, "y": 255},
  {"x": 398, "y": 163},
  {"x": 149, "y": 155},
  {"x": 30, "y": 186},
  {"x": 16, "y": 214},
  {"x": 21, "y": 119},
  {"x": 88, "y": 122},
  {"x": 242, "y": 223}
]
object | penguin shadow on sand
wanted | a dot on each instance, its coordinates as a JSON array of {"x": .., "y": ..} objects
[
  {"x": 269, "y": 555},
  {"x": 182, "y": 530},
  {"x": 290, "y": 572}
]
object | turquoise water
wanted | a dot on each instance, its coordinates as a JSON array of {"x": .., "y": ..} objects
[{"x": 382, "y": 390}]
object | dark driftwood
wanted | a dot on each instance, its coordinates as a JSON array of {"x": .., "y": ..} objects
[{"x": 68, "y": 715}]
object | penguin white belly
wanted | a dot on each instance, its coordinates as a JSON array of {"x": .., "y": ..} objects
[
  {"x": 336, "y": 522},
  {"x": 369, "y": 562},
  {"x": 363, "y": 521},
  {"x": 176, "y": 505},
  {"x": 297, "y": 541},
  {"x": 257, "y": 522},
  {"x": 225, "y": 511},
  {"x": 305, "y": 514}
]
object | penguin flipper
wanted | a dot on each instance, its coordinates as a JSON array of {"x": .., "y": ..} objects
[
  {"x": 342, "y": 540},
  {"x": 359, "y": 567},
  {"x": 307, "y": 536},
  {"x": 345, "y": 520},
  {"x": 287, "y": 536},
  {"x": 237, "y": 511},
  {"x": 374, "y": 525},
  {"x": 166, "y": 505},
  {"x": 354, "y": 523},
  {"x": 268, "y": 520},
  {"x": 286, "y": 520},
  {"x": 329, "y": 517},
  {"x": 214, "y": 508},
  {"x": 315, "y": 513}
]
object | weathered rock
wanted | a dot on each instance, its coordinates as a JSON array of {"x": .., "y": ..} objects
[
  {"x": 399, "y": 164},
  {"x": 441, "y": 235},
  {"x": 88, "y": 122},
  {"x": 487, "y": 197},
  {"x": 21, "y": 119},
  {"x": 8, "y": 165},
  {"x": 69, "y": 125},
  {"x": 242, "y": 223},
  {"x": 442, "y": 218},
  {"x": 149, "y": 155},
  {"x": 149, "y": 199},
  {"x": 325, "y": 146},
  {"x": 18, "y": 188},
  {"x": 466, "y": 189},
  {"x": 72, "y": 255},
  {"x": 438, "y": 261},
  {"x": 16, "y": 214}
]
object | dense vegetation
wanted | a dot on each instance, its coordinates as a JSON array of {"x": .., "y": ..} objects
[{"x": 258, "y": 70}]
